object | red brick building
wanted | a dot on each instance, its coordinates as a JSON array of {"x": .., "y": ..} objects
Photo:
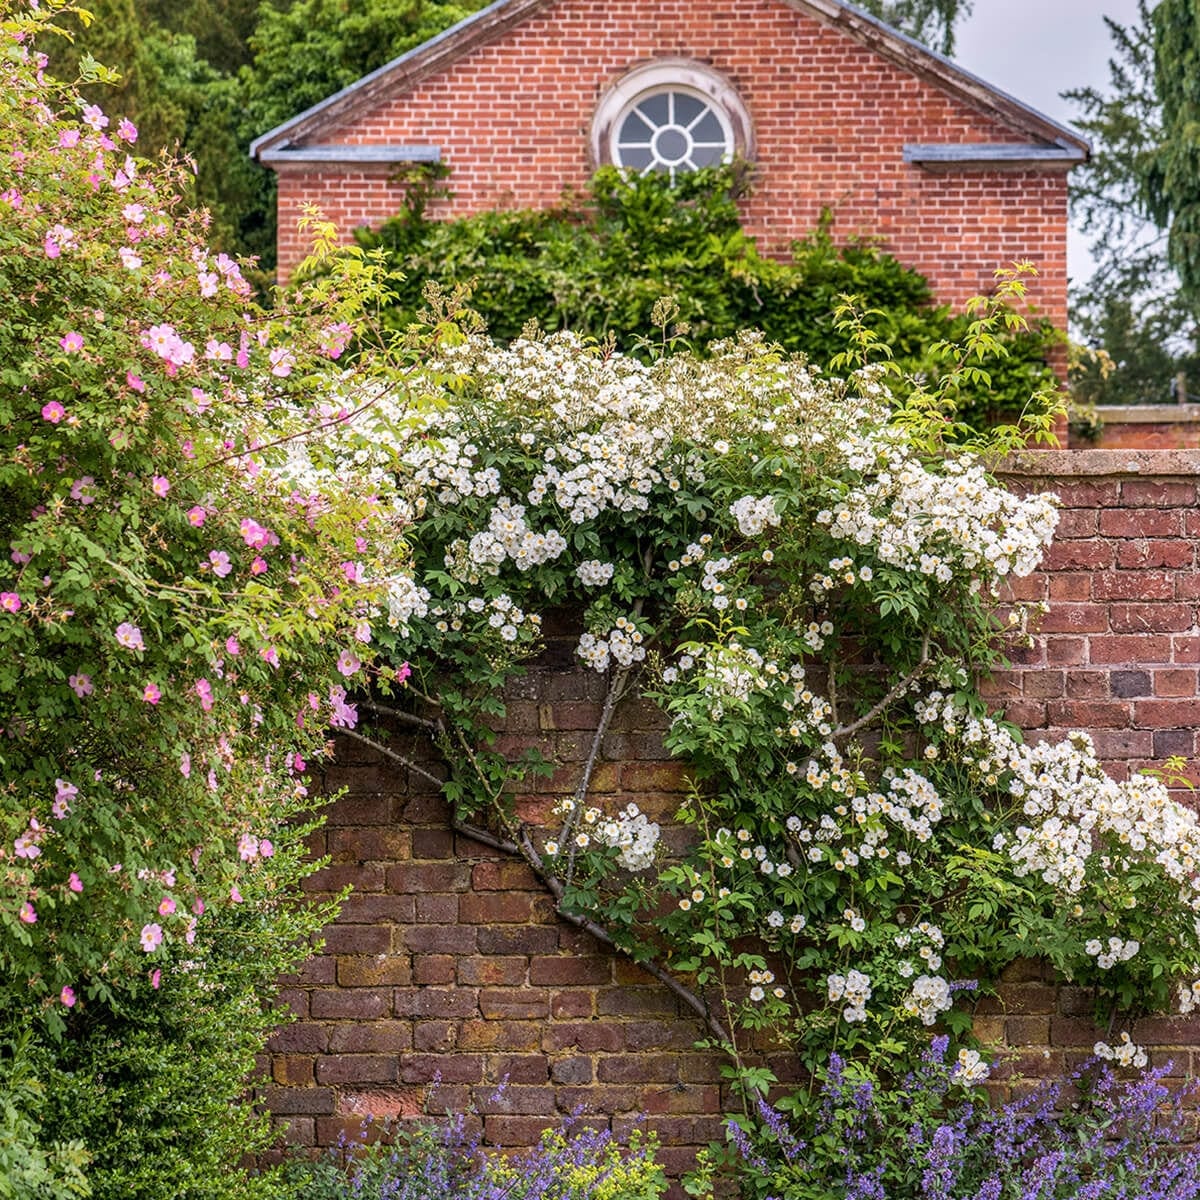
[{"x": 838, "y": 111}]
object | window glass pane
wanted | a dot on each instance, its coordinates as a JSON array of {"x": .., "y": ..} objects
[
  {"x": 687, "y": 108},
  {"x": 708, "y": 129},
  {"x": 656, "y": 109},
  {"x": 708, "y": 156},
  {"x": 635, "y": 131},
  {"x": 637, "y": 157}
]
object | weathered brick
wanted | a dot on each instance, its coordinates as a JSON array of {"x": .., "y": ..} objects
[
  {"x": 429, "y": 877},
  {"x": 520, "y": 1003},
  {"x": 1151, "y": 618},
  {"x": 292, "y": 1070},
  {"x": 1127, "y": 684},
  {"x": 357, "y": 1068},
  {"x": 311, "y": 1101},
  {"x": 504, "y": 908},
  {"x": 432, "y": 968},
  {"x": 440, "y": 939},
  {"x": 522, "y": 939},
  {"x": 1134, "y": 585},
  {"x": 1140, "y": 523},
  {"x": 379, "y": 970},
  {"x": 1136, "y": 650},
  {"x": 1074, "y": 618},
  {"x": 1156, "y": 552},
  {"x": 350, "y": 1003},
  {"x": 507, "y": 971},
  {"x": 1166, "y": 714},
  {"x": 589, "y": 1037},
  {"x": 503, "y": 877},
  {"x": 445, "y": 1003},
  {"x": 453, "y": 1068},
  {"x": 569, "y": 970},
  {"x": 1145, "y": 493},
  {"x": 370, "y": 1037},
  {"x": 572, "y": 1070}
]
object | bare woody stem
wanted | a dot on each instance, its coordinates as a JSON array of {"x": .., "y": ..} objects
[
  {"x": 524, "y": 848},
  {"x": 395, "y": 757},
  {"x": 893, "y": 695}
]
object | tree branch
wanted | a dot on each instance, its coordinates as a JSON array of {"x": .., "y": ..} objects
[
  {"x": 557, "y": 890},
  {"x": 387, "y": 752},
  {"x": 890, "y": 698},
  {"x": 400, "y": 715}
]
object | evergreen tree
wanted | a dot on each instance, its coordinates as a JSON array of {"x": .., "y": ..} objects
[
  {"x": 1171, "y": 175},
  {"x": 1132, "y": 307}
]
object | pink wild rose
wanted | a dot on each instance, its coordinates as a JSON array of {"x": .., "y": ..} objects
[
  {"x": 151, "y": 937},
  {"x": 53, "y": 412},
  {"x": 10, "y": 602},
  {"x": 151, "y": 693},
  {"x": 129, "y": 636},
  {"x": 71, "y": 342}
]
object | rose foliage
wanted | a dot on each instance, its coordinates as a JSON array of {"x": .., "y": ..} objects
[{"x": 179, "y": 623}]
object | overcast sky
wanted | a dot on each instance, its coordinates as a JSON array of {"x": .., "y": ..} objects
[{"x": 1035, "y": 49}]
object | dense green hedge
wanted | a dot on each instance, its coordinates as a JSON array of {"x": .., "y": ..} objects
[{"x": 598, "y": 263}]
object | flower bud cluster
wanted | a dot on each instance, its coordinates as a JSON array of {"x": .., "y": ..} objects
[
  {"x": 970, "y": 1068},
  {"x": 621, "y": 645},
  {"x": 507, "y": 537},
  {"x": 1116, "y": 951},
  {"x": 753, "y": 514},
  {"x": 594, "y": 573},
  {"x": 939, "y": 524},
  {"x": 929, "y": 997},
  {"x": 855, "y": 988},
  {"x": 633, "y": 834}
]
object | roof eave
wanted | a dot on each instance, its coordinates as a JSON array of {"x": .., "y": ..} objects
[{"x": 952, "y": 156}]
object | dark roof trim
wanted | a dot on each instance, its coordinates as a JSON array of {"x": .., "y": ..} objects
[
  {"x": 993, "y": 154},
  {"x": 352, "y": 154},
  {"x": 500, "y": 16}
]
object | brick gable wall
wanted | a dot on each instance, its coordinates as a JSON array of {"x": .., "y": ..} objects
[
  {"x": 447, "y": 958},
  {"x": 513, "y": 120}
]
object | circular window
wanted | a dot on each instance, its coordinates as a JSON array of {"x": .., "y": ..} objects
[
  {"x": 671, "y": 115},
  {"x": 672, "y": 130}
]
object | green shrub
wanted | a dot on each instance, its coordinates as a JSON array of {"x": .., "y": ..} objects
[{"x": 598, "y": 264}]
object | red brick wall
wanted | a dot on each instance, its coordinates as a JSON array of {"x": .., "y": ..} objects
[
  {"x": 513, "y": 120},
  {"x": 1119, "y": 651},
  {"x": 447, "y": 959}
]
